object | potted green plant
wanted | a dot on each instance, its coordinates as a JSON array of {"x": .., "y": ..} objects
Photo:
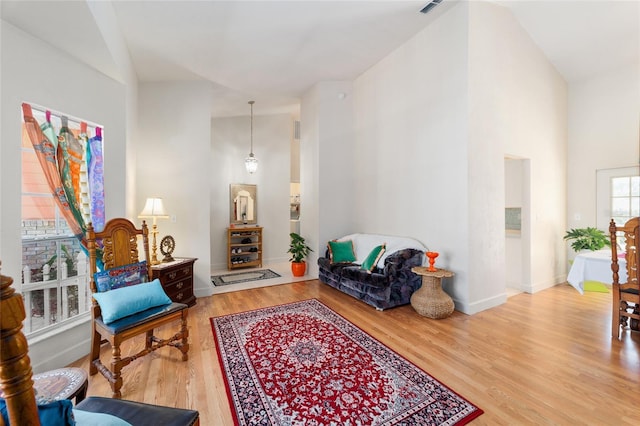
[
  {"x": 299, "y": 251},
  {"x": 587, "y": 239}
]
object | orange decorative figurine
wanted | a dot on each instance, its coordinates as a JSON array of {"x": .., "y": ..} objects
[{"x": 432, "y": 259}]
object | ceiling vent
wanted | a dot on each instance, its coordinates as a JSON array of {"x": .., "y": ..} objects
[{"x": 430, "y": 5}]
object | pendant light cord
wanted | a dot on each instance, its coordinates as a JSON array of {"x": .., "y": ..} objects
[
  {"x": 251, "y": 162},
  {"x": 251, "y": 103}
]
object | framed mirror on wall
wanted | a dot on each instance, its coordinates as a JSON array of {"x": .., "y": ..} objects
[{"x": 243, "y": 204}]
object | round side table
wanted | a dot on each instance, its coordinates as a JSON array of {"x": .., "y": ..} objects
[
  {"x": 63, "y": 383},
  {"x": 430, "y": 300}
]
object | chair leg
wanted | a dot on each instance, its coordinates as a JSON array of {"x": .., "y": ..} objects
[
  {"x": 116, "y": 367},
  {"x": 633, "y": 322},
  {"x": 615, "y": 315},
  {"x": 184, "y": 348},
  {"x": 149, "y": 339},
  {"x": 95, "y": 350}
]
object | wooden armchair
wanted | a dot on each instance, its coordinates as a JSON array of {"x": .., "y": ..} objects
[
  {"x": 17, "y": 385},
  {"x": 626, "y": 296},
  {"x": 119, "y": 248}
]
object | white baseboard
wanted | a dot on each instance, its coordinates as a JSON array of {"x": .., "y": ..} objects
[
  {"x": 536, "y": 287},
  {"x": 481, "y": 305}
]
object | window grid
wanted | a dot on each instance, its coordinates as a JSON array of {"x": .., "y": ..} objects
[{"x": 625, "y": 198}]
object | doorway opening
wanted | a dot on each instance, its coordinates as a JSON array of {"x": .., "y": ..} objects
[
  {"x": 294, "y": 191},
  {"x": 517, "y": 224}
]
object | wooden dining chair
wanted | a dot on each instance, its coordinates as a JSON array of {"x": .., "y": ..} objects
[
  {"x": 626, "y": 296},
  {"x": 16, "y": 384},
  {"x": 116, "y": 316}
]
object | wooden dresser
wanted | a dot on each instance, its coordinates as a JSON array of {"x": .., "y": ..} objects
[{"x": 177, "y": 279}]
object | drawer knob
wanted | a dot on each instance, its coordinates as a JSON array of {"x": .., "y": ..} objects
[
  {"x": 180, "y": 285},
  {"x": 172, "y": 275},
  {"x": 179, "y": 296}
]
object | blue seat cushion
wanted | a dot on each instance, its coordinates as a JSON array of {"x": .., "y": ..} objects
[
  {"x": 140, "y": 317},
  {"x": 97, "y": 419},
  {"x": 138, "y": 413}
]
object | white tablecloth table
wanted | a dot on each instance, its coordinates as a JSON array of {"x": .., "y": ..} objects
[{"x": 595, "y": 266}]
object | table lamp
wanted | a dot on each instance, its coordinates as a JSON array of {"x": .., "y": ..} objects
[{"x": 153, "y": 209}]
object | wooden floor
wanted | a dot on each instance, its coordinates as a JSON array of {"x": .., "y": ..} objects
[{"x": 542, "y": 359}]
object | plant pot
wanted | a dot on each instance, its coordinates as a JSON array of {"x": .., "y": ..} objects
[{"x": 298, "y": 268}]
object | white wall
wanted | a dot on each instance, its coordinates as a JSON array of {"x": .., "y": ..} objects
[
  {"x": 519, "y": 107},
  {"x": 67, "y": 86},
  {"x": 433, "y": 121},
  {"x": 230, "y": 144},
  {"x": 411, "y": 145},
  {"x": 310, "y": 177},
  {"x": 327, "y": 178},
  {"x": 106, "y": 22},
  {"x": 603, "y": 133},
  {"x": 173, "y": 163}
]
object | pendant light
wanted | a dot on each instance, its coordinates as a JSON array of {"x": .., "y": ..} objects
[{"x": 251, "y": 162}]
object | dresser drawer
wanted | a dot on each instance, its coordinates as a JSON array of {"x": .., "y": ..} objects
[
  {"x": 177, "y": 279},
  {"x": 180, "y": 290},
  {"x": 176, "y": 274}
]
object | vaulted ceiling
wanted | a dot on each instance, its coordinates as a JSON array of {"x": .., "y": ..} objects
[{"x": 273, "y": 51}]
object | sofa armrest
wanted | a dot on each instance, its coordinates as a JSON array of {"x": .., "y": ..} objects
[{"x": 401, "y": 262}]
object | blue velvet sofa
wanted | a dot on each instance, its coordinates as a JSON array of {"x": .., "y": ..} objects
[{"x": 391, "y": 283}]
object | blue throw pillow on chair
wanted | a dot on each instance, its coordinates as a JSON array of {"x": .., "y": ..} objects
[
  {"x": 125, "y": 301},
  {"x": 122, "y": 276}
]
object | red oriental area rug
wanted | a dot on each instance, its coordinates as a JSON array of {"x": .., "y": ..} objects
[{"x": 303, "y": 364}]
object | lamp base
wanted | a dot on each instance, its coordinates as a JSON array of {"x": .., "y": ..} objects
[{"x": 154, "y": 246}]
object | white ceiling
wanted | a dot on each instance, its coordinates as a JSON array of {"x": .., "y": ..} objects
[{"x": 273, "y": 51}]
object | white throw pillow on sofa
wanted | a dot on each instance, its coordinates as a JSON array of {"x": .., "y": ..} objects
[{"x": 364, "y": 243}]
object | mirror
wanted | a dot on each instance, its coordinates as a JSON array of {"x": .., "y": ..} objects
[{"x": 243, "y": 205}]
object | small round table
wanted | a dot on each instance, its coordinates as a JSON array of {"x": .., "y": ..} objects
[
  {"x": 430, "y": 300},
  {"x": 63, "y": 383}
]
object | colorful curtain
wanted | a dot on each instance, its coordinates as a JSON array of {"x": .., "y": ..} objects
[
  {"x": 96, "y": 180},
  {"x": 69, "y": 169},
  {"x": 84, "y": 199},
  {"x": 62, "y": 158}
]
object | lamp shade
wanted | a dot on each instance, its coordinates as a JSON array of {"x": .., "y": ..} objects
[{"x": 153, "y": 208}]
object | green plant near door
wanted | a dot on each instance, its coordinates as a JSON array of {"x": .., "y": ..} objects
[
  {"x": 587, "y": 239},
  {"x": 298, "y": 248},
  {"x": 299, "y": 251}
]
